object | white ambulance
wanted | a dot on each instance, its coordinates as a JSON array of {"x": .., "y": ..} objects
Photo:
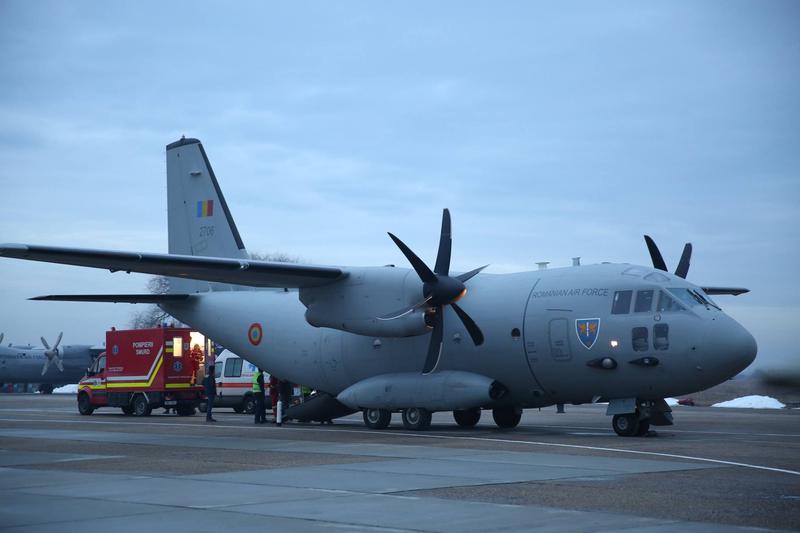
[{"x": 234, "y": 377}]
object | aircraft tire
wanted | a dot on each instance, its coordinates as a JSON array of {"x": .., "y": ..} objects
[
  {"x": 377, "y": 418},
  {"x": 127, "y": 410},
  {"x": 85, "y": 404},
  {"x": 626, "y": 425},
  {"x": 507, "y": 417},
  {"x": 467, "y": 418},
  {"x": 416, "y": 418},
  {"x": 140, "y": 406}
]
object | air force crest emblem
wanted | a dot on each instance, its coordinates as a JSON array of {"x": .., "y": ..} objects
[{"x": 587, "y": 330}]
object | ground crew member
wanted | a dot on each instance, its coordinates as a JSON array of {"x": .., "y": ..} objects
[
  {"x": 258, "y": 392},
  {"x": 210, "y": 384}
]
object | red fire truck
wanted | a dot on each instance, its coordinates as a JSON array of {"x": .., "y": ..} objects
[{"x": 144, "y": 369}]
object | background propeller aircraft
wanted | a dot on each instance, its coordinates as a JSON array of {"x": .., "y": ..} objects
[
  {"x": 49, "y": 366},
  {"x": 630, "y": 335}
]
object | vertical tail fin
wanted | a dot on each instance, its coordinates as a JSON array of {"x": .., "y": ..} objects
[{"x": 200, "y": 222}]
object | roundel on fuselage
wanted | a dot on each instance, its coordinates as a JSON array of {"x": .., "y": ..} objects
[{"x": 255, "y": 333}]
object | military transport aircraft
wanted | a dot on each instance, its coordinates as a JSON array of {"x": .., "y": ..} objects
[
  {"x": 420, "y": 340},
  {"x": 47, "y": 366}
]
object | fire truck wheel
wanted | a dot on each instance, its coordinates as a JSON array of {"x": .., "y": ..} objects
[
  {"x": 249, "y": 404},
  {"x": 140, "y": 406},
  {"x": 203, "y": 407},
  {"x": 84, "y": 404},
  {"x": 185, "y": 410},
  {"x": 238, "y": 409},
  {"x": 127, "y": 410}
]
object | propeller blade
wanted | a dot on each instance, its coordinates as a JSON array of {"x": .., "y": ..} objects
[
  {"x": 44, "y": 343},
  {"x": 655, "y": 254},
  {"x": 467, "y": 275},
  {"x": 59, "y": 364},
  {"x": 422, "y": 269},
  {"x": 435, "y": 346},
  {"x": 1, "y": 337},
  {"x": 58, "y": 340},
  {"x": 445, "y": 246},
  {"x": 472, "y": 328},
  {"x": 683, "y": 265},
  {"x": 46, "y": 366},
  {"x": 403, "y": 312}
]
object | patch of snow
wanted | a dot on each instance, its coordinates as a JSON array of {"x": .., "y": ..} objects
[
  {"x": 672, "y": 402},
  {"x": 752, "y": 402},
  {"x": 67, "y": 389}
]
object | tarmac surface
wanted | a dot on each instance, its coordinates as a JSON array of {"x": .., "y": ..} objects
[{"x": 715, "y": 470}]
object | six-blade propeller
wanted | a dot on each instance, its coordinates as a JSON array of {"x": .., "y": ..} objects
[{"x": 439, "y": 289}]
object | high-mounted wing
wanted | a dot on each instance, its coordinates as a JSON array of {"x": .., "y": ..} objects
[
  {"x": 115, "y": 298},
  {"x": 235, "y": 271},
  {"x": 716, "y": 291}
]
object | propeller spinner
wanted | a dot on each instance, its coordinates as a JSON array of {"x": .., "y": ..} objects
[
  {"x": 440, "y": 289},
  {"x": 52, "y": 354}
]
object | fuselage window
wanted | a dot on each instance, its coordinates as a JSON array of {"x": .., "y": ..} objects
[
  {"x": 515, "y": 333},
  {"x": 667, "y": 304},
  {"x": 622, "y": 303},
  {"x": 644, "y": 302},
  {"x": 661, "y": 336},
  {"x": 639, "y": 337}
]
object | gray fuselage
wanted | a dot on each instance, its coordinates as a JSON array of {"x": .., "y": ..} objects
[{"x": 530, "y": 322}]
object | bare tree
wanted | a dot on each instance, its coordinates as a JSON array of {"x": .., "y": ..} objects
[{"x": 153, "y": 316}]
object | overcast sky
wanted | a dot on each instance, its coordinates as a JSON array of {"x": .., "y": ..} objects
[{"x": 550, "y": 131}]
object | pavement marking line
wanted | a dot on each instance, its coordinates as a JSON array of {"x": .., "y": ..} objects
[{"x": 431, "y": 436}]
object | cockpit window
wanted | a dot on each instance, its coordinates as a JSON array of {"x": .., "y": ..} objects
[
  {"x": 622, "y": 303},
  {"x": 656, "y": 276},
  {"x": 667, "y": 304},
  {"x": 691, "y": 298},
  {"x": 644, "y": 301}
]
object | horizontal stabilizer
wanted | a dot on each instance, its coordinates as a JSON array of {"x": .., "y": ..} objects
[
  {"x": 235, "y": 271},
  {"x": 115, "y": 298},
  {"x": 733, "y": 291}
]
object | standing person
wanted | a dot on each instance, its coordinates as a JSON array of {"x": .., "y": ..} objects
[
  {"x": 258, "y": 392},
  {"x": 210, "y": 384}
]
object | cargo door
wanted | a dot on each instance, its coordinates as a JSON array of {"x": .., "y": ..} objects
[{"x": 548, "y": 338}]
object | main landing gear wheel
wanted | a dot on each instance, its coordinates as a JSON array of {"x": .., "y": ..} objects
[
  {"x": 627, "y": 425},
  {"x": 84, "y": 404},
  {"x": 507, "y": 417},
  {"x": 467, "y": 418},
  {"x": 377, "y": 418},
  {"x": 140, "y": 406},
  {"x": 416, "y": 418}
]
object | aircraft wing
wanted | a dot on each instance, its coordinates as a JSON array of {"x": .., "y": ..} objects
[
  {"x": 223, "y": 270},
  {"x": 733, "y": 291}
]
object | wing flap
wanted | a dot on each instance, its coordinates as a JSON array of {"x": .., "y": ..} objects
[{"x": 224, "y": 270}]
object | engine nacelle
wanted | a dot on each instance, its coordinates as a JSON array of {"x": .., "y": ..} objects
[{"x": 355, "y": 303}]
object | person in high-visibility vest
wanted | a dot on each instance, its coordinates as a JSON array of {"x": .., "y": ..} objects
[{"x": 258, "y": 393}]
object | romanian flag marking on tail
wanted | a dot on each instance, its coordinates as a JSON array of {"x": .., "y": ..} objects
[{"x": 205, "y": 208}]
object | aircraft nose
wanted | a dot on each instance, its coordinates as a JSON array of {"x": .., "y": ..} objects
[{"x": 736, "y": 347}]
